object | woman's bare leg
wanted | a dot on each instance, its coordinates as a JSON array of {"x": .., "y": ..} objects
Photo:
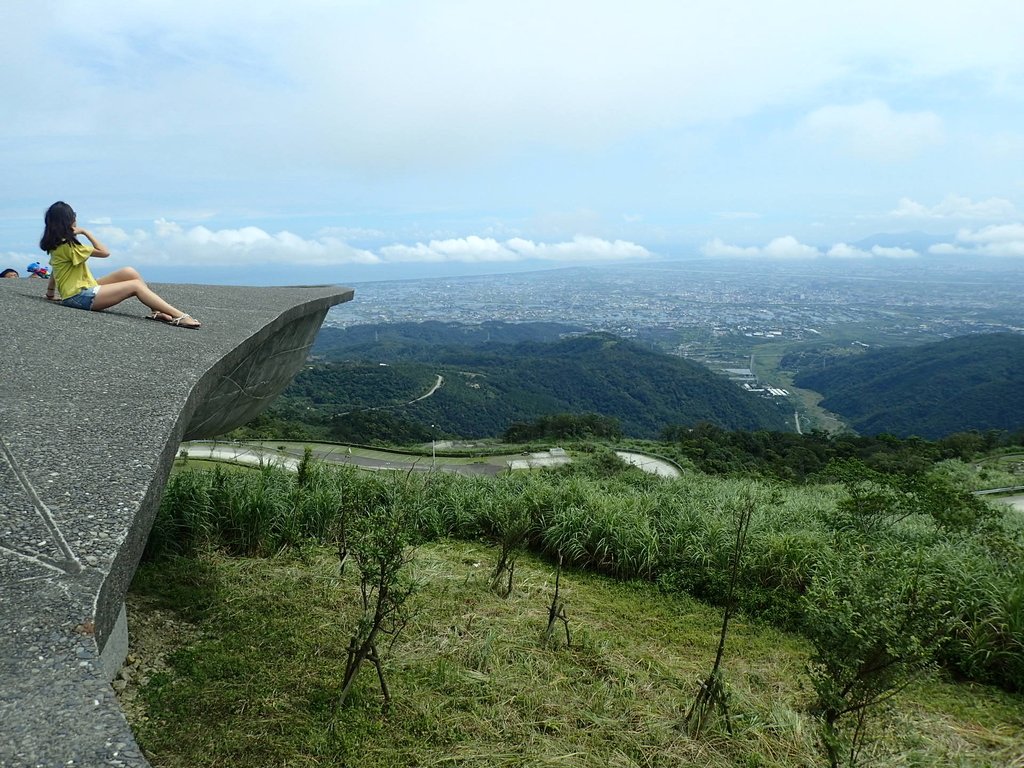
[
  {"x": 120, "y": 276},
  {"x": 116, "y": 292}
]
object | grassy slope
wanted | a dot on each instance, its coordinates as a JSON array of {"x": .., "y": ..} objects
[{"x": 255, "y": 682}]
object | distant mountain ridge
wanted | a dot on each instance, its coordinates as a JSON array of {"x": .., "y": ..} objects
[
  {"x": 933, "y": 390},
  {"x": 418, "y": 341}
]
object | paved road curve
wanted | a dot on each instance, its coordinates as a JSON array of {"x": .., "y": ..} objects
[
  {"x": 258, "y": 454},
  {"x": 1017, "y": 502},
  {"x": 251, "y": 455},
  {"x": 650, "y": 464}
]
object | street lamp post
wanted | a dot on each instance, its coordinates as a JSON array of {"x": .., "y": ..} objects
[{"x": 433, "y": 446}]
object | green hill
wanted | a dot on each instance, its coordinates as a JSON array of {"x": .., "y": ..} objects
[
  {"x": 966, "y": 383},
  {"x": 419, "y": 341},
  {"x": 489, "y": 385}
]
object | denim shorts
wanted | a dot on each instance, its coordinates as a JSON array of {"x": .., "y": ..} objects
[{"x": 83, "y": 299}]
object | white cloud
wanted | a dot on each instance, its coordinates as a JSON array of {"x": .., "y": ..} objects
[
  {"x": 945, "y": 249},
  {"x": 112, "y": 235},
  {"x": 1003, "y": 240},
  {"x": 894, "y": 252},
  {"x": 169, "y": 242},
  {"x": 717, "y": 248},
  {"x": 872, "y": 129},
  {"x": 786, "y": 247},
  {"x": 392, "y": 84},
  {"x": 844, "y": 251},
  {"x": 465, "y": 249},
  {"x": 956, "y": 207},
  {"x": 487, "y": 249},
  {"x": 442, "y": 116},
  {"x": 909, "y": 209},
  {"x": 1002, "y": 233},
  {"x": 166, "y": 228}
]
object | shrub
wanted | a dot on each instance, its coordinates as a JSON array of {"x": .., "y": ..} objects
[
  {"x": 625, "y": 523},
  {"x": 876, "y": 619}
]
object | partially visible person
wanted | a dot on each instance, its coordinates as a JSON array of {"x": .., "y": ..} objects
[
  {"x": 9, "y": 273},
  {"x": 73, "y": 281}
]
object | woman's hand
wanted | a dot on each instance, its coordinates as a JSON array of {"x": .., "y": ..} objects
[{"x": 98, "y": 248}]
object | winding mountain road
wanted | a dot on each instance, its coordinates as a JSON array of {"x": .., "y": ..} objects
[{"x": 433, "y": 389}]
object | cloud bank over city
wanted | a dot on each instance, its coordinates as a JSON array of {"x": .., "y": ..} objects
[
  {"x": 169, "y": 242},
  {"x": 349, "y": 134},
  {"x": 1005, "y": 240}
]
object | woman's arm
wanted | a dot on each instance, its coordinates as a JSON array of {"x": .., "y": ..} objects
[
  {"x": 98, "y": 248},
  {"x": 51, "y": 288}
]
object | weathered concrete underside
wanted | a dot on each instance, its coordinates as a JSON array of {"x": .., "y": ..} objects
[{"x": 92, "y": 408}]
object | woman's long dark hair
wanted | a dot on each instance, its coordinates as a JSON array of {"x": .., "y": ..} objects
[{"x": 59, "y": 219}]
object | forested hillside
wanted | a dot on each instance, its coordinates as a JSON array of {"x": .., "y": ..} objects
[
  {"x": 966, "y": 383},
  {"x": 374, "y": 376},
  {"x": 420, "y": 341},
  {"x": 359, "y": 385}
]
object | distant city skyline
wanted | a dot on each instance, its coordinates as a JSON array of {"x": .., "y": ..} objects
[
  {"x": 353, "y": 140},
  {"x": 717, "y": 297}
]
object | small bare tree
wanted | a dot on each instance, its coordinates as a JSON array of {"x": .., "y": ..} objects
[
  {"x": 712, "y": 693},
  {"x": 511, "y": 524},
  {"x": 379, "y": 543},
  {"x": 556, "y": 612}
]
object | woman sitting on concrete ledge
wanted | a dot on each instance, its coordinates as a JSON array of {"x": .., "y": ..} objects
[{"x": 76, "y": 285}]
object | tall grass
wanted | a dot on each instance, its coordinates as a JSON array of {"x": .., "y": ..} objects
[{"x": 677, "y": 533}]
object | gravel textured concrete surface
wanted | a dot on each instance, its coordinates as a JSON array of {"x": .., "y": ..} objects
[{"x": 92, "y": 408}]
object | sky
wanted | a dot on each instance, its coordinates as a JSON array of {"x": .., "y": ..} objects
[{"x": 348, "y": 140}]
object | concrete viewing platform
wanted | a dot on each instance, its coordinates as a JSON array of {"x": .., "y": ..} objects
[{"x": 93, "y": 406}]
